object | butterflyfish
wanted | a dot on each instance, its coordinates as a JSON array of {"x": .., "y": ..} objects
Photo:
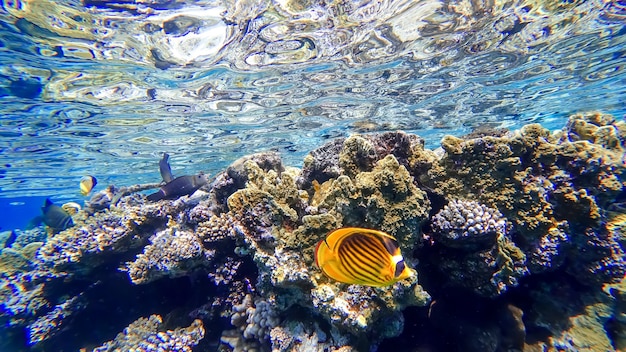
[
  {"x": 355, "y": 255},
  {"x": 87, "y": 183},
  {"x": 55, "y": 217}
]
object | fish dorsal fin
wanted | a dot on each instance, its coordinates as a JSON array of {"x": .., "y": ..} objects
[
  {"x": 46, "y": 204},
  {"x": 164, "y": 168}
]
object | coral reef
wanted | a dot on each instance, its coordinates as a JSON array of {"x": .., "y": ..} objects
[
  {"x": 171, "y": 252},
  {"x": 550, "y": 187},
  {"x": 478, "y": 327},
  {"x": 49, "y": 324},
  {"x": 488, "y": 261},
  {"x": 467, "y": 224},
  {"x": 577, "y": 320},
  {"x": 473, "y": 219},
  {"x": 255, "y": 318},
  {"x": 145, "y": 334}
]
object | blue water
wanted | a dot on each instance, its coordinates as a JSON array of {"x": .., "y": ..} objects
[{"x": 17, "y": 212}]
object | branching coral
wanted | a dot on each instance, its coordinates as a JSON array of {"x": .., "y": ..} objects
[
  {"x": 172, "y": 252},
  {"x": 145, "y": 334}
]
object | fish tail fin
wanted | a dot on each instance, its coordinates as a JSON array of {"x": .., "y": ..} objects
[{"x": 156, "y": 196}]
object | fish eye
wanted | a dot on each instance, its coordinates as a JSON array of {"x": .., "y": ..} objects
[{"x": 399, "y": 268}]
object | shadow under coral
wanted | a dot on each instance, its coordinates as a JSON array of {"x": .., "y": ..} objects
[{"x": 115, "y": 302}]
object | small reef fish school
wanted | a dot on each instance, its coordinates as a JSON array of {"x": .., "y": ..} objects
[{"x": 59, "y": 218}]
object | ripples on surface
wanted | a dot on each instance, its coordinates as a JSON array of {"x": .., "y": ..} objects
[{"x": 104, "y": 87}]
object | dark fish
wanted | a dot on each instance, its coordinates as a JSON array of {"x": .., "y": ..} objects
[
  {"x": 34, "y": 222},
  {"x": 361, "y": 256},
  {"x": 178, "y": 187},
  {"x": 164, "y": 168},
  {"x": 55, "y": 217}
]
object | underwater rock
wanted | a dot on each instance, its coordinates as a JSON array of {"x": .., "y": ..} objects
[
  {"x": 576, "y": 319},
  {"x": 486, "y": 326},
  {"x": 616, "y": 326},
  {"x": 321, "y": 164},
  {"x": 146, "y": 334}
]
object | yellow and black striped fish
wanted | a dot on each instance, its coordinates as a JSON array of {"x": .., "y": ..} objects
[{"x": 361, "y": 256}]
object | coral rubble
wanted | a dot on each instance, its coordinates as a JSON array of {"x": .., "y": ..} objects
[{"x": 476, "y": 218}]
